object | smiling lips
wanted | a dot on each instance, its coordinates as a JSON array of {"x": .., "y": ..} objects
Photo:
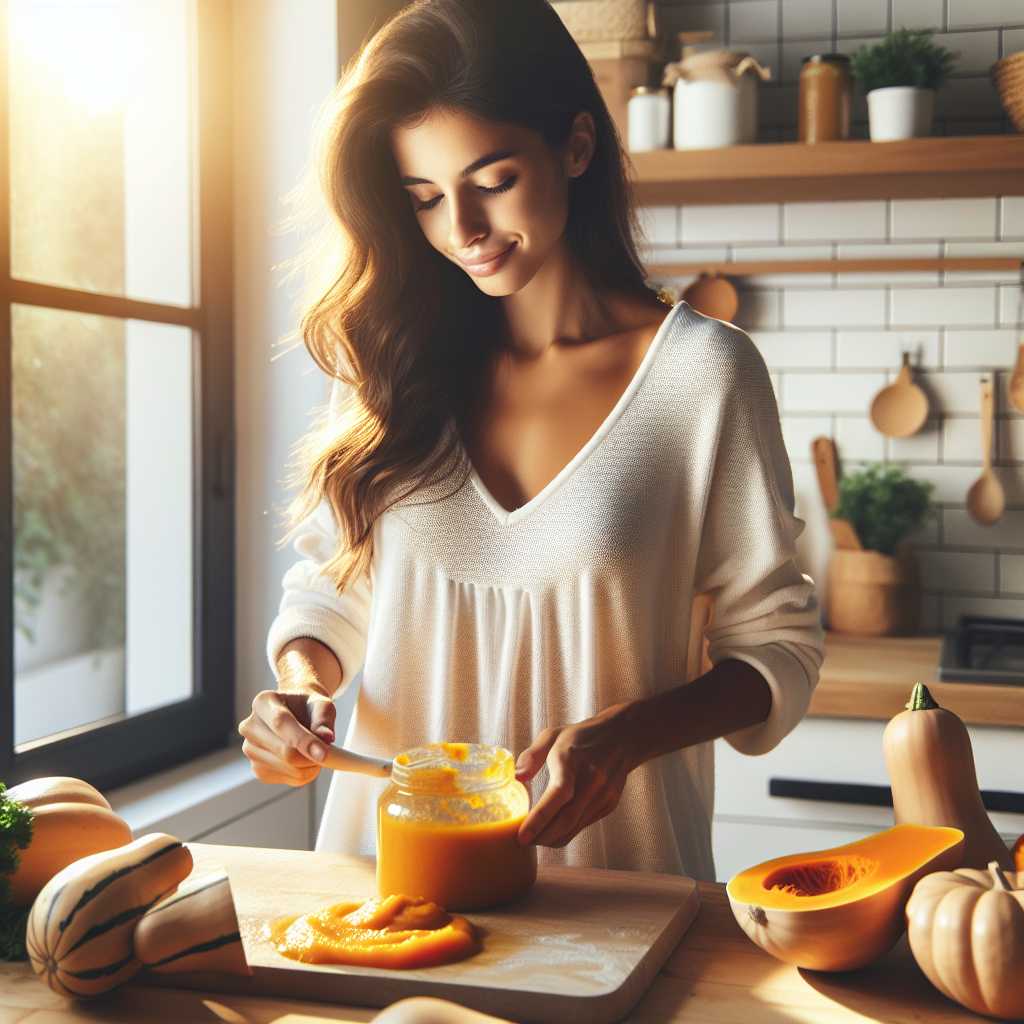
[{"x": 484, "y": 266}]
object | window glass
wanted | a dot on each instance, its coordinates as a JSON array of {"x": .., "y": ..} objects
[
  {"x": 103, "y": 519},
  {"x": 101, "y": 146}
]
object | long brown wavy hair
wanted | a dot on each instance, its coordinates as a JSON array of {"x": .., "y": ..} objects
[{"x": 408, "y": 332}]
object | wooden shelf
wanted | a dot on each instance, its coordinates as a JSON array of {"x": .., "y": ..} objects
[
  {"x": 973, "y": 165},
  {"x": 872, "y": 676}
]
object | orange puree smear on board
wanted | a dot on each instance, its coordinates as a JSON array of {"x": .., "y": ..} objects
[{"x": 396, "y": 932}]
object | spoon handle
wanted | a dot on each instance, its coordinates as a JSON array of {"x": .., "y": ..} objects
[
  {"x": 987, "y": 413},
  {"x": 342, "y": 760}
]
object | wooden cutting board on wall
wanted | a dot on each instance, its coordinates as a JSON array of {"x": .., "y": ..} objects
[{"x": 581, "y": 947}]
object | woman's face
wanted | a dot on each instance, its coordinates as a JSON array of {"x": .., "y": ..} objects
[{"x": 493, "y": 198}]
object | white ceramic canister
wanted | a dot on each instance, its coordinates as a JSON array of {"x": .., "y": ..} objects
[
  {"x": 649, "y": 119},
  {"x": 715, "y": 99},
  {"x": 900, "y": 112}
]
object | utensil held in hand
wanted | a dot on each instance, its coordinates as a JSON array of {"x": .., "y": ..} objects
[
  {"x": 713, "y": 296},
  {"x": 986, "y": 499},
  {"x": 901, "y": 408},
  {"x": 843, "y": 533},
  {"x": 341, "y": 760}
]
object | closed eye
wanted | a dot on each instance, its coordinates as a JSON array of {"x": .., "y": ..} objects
[
  {"x": 429, "y": 204},
  {"x": 503, "y": 187}
]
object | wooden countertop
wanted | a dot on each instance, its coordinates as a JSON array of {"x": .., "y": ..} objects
[
  {"x": 871, "y": 677},
  {"x": 716, "y": 974}
]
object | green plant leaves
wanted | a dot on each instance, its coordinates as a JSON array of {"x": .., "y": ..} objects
[
  {"x": 15, "y": 834},
  {"x": 907, "y": 56},
  {"x": 884, "y": 505}
]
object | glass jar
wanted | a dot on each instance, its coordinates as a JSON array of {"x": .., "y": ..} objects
[
  {"x": 826, "y": 90},
  {"x": 649, "y": 119},
  {"x": 447, "y": 827}
]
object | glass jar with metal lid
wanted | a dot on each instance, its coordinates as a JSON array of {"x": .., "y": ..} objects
[
  {"x": 826, "y": 90},
  {"x": 649, "y": 119},
  {"x": 448, "y": 824}
]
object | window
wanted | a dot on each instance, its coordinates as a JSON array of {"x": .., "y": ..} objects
[{"x": 116, "y": 505}]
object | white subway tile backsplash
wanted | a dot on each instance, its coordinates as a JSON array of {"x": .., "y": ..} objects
[
  {"x": 1011, "y": 574},
  {"x": 793, "y": 55},
  {"x": 1012, "y": 479},
  {"x": 944, "y": 218},
  {"x": 1010, "y": 306},
  {"x": 915, "y": 13},
  {"x": 984, "y": 13},
  {"x": 1010, "y": 249},
  {"x": 806, "y": 19},
  {"x": 659, "y": 225},
  {"x": 754, "y": 21},
  {"x": 978, "y": 50},
  {"x": 890, "y": 251},
  {"x": 882, "y": 278},
  {"x": 952, "y": 392},
  {"x": 1013, "y": 40},
  {"x": 857, "y": 440},
  {"x": 958, "y": 570},
  {"x": 1010, "y": 443},
  {"x": 960, "y": 530},
  {"x": 951, "y": 482},
  {"x": 702, "y": 255},
  {"x": 837, "y": 221},
  {"x": 885, "y": 349},
  {"x": 950, "y": 306},
  {"x": 980, "y": 348},
  {"x": 760, "y": 253},
  {"x": 920, "y": 447},
  {"x": 841, "y": 308},
  {"x": 830, "y": 392},
  {"x": 1003, "y": 608},
  {"x": 785, "y": 350},
  {"x": 799, "y": 431},
  {"x": 744, "y": 223},
  {"x": 961, "y": 440},
  {"x": 758, "y": 310},
  {"x": 1012, "y": 217},
  {"x": 862, "y": 17}
]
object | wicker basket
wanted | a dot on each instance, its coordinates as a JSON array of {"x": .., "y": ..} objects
[
  {"x": 604, "y": 21},
  {"x": 1008, "y": 76}
]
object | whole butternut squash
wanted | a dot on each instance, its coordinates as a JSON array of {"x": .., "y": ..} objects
[
  {"x": 931, "y": 769},
  {"x": 70, "y": 820},
  {"x": 57, "y": 789},
  {"x": 966, "y": 931},
  {"x": 1018, "y": 855}
]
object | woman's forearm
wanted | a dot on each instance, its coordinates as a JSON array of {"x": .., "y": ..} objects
[
  {"x": 307, "y": 666},
  {"x": 732, "y": 696}
]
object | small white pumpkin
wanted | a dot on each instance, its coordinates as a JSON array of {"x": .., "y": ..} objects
[
  {"x": 80, "y": 927},
  {"x": 966, "y": 931}
]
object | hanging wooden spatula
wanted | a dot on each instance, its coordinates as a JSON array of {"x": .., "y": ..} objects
[{"x": 843, "y": 533}]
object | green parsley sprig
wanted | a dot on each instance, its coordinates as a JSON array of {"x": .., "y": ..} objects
[{"x": 15, "y": 835}]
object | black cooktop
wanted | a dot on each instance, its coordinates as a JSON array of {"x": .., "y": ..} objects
[{"x": 983, "y": 649}]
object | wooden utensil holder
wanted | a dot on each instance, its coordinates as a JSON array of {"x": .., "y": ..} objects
[{"x": 871, "y": 594}]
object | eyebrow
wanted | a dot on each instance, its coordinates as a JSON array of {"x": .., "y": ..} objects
[{"x": 476, "y": 165}]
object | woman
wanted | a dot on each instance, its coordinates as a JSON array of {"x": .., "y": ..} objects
[{"x": 531, "y": 465}]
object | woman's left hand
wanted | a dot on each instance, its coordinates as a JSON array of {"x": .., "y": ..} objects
[{"x": 587, "y": 768}]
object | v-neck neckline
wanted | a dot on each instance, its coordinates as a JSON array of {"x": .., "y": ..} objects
[{"x": 506, "y": 517}]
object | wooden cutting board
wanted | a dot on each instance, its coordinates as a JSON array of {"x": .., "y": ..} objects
[{"x": 581, "y": 947}]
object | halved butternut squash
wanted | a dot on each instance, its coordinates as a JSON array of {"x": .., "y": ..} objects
[{"x": 837, "y": 910}]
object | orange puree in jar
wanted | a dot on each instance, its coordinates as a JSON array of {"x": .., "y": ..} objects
[
  {"x": 397, "y": 933},
  {"x": 447, "y": 827}
]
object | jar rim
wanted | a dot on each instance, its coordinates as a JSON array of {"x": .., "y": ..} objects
[
  {"x": 828, "y": 58},
  {"x": 450, "y": 768}
]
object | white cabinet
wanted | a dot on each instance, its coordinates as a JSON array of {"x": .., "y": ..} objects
[{"x": 751, "y": 826}]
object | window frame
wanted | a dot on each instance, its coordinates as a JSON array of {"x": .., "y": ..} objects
[{"x": 121, "y": 751}]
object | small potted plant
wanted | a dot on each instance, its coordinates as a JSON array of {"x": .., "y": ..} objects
[
  {"x": 877, "y": 591},
  {"x": 900, "y": 76}
]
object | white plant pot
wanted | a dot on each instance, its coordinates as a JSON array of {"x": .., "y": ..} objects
[
  {"x": 712, "y": 114},
  {"x": 900, "y": 112}
]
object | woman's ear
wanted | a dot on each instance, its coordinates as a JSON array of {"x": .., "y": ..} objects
[{"x": 582, "y": 142}]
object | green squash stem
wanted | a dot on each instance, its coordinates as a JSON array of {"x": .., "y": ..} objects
[{"x": 921, "y": 699}]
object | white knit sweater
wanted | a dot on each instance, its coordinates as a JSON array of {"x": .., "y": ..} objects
[{"x": 480, "y": 624}]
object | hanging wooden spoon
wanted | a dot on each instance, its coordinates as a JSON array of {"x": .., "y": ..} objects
[
  {"x": 900, "y": 409},
  {"x": 843, "y": 533},
  {"x": 713, "y": 296},
  {"x": 986, "y": 499}
]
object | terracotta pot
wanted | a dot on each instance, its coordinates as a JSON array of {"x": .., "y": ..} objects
[{"x": 873, "y": 594}]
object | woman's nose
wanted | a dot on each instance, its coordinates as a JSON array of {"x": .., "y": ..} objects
[{"x": 468, "y": 226}]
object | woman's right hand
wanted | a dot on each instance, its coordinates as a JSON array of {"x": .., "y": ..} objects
[{"x": 286, "y": 735}]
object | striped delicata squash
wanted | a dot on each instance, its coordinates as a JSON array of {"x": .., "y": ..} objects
[{"x": 81, "y": 925}]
